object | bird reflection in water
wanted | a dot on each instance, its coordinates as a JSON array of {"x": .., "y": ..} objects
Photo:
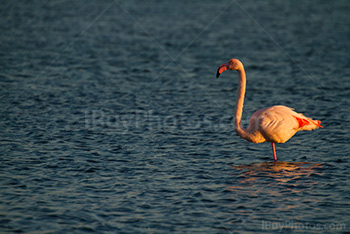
[
  {"x": 265, "y": 177},
  {"x": 279, "y": 171},
  {"x": 270, "y": 187}
]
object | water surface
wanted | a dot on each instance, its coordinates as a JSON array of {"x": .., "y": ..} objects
[{"x": 112, "y": 120}]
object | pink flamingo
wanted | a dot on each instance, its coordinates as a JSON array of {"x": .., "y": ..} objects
[{"x": 276, "y": 124}]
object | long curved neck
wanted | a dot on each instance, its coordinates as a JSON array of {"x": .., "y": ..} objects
[{"x": 239, "y": 104}]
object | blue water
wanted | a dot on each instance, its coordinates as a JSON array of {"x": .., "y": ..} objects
[{"x": 112, "y": 120}]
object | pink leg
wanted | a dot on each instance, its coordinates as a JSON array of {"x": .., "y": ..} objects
[{"x": 274, "y": 151}]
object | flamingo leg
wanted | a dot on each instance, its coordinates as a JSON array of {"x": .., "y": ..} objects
[{"x": 274, "y": 151}]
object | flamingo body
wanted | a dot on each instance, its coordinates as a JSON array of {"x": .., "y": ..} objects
[{"x": 276, "y": 124}]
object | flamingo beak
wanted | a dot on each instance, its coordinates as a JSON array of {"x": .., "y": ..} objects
[{"x": 221, "y": 69}]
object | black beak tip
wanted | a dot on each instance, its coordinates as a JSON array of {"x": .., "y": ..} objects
[{"x": 217, "y": 74}]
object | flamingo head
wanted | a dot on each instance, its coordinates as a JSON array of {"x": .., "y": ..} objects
[{"x": 233, "y": 64}]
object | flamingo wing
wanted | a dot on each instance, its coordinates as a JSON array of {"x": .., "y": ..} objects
[{"x": 276, "y": 123}]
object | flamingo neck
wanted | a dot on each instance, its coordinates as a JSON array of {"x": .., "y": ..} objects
[{"x": 239, "y": 104}]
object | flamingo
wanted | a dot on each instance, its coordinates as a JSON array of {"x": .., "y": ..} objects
[{"x": 276, "y": 124}]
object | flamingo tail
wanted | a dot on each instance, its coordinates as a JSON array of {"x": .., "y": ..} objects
[{"x": 307, "y": 123}]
